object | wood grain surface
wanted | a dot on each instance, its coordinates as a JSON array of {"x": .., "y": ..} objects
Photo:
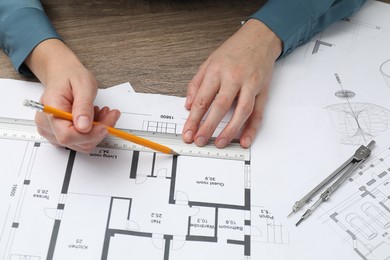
[{"x": 156, "y": 45}]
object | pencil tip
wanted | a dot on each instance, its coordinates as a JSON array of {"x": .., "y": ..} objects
[{"x": 174, "y": 153}]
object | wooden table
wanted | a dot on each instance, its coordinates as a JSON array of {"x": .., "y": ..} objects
[{"x": 156, "y": 45}]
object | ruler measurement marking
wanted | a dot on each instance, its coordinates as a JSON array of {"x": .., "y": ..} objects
[{"x": 18, "y": 129}]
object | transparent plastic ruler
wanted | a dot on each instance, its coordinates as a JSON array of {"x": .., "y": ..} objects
[{"x": 19, "y": 129}]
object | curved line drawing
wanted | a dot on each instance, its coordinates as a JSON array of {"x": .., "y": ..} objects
[
  {"x": 376, "y": 214},
  {"x": 361, "y": 226},
  {"x": 385, "y": 71},
  {"x": 359, "y": 122}
]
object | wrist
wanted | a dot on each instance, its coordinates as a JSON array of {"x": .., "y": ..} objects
[
  {"x": 50, "y": 57},
  {"x": 264, "y": 36}
]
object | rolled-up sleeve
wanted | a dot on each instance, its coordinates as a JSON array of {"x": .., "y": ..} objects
[
  {"x": 23, "y": 25},
  {"x": 295, "y": 22}
]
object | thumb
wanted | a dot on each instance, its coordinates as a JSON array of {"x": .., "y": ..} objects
[{"x": 82, "y": 108}]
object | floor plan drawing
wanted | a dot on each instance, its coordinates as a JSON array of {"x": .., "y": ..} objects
[
  {"x": 160, "y": 127},
  {"x": 362, "y": 219},
  {"x": 121, "y": 204},
  {"x": 266, "y": 229}
]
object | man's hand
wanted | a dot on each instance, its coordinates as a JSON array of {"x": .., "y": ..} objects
[
  {"x": 69, "y": 86},
  {"x": 240, "y": 68}
]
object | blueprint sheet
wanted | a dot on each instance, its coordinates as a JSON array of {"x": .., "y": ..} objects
[
  {"x": 327, "y": 98},
  {"x": 120, "y": 204}
]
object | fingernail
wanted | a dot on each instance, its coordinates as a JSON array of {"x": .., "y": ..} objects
[
  {"x": 222, "y": 143},
  {"x": 200, "y": 141},
  {"x": 83, "y": 122},
  {"x": 188, "y": 136},
  {"x": 247, "y": 141},
  {"x": 188, "y": 100}
]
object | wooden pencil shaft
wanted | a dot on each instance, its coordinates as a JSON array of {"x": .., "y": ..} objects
[{"x": 113, "y": 131}]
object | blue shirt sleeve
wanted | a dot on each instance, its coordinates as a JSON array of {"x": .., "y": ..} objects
[
  {"x": 296, "y": 21},
  {"x": 23, "y": 25}
]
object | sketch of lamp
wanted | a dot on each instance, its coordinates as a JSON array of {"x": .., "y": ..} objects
[
  {"x": 360, "y": 122},
  {"x": 385, "y": 70}
]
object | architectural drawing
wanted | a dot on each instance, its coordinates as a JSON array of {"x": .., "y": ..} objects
[
  {"x": 362, "y": 219},
  {"x": 266, "y": 229},
  {"x": 360, "y": 122},
  {"x": 159, "y": 127},
  {"x": 317, "y": 45},
  {"x": 385, "y": 71},
  {"x": 335, "y": 40},
  {"x": 121, "y": 204},
  {"x": 311, "y": 48},
  {"x": 356, "y": 25},
  {"x": 344, "y": 94}
]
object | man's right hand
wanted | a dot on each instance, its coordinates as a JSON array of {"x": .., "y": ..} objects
[{"x": 71, "y": 87}]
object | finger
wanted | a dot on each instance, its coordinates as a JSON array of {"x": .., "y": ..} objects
[
  {"x": 47, "y": 133},
  {"x": 96, "y": 111},
  {"x": 194, "y": 85},
  {"x": 109, "y": 118},
  {"x": 101, "y": 114},
  {"x": 219, "y": 108},
  {"x": 200, "y": 106},
  {"x": 85, "y": 142},
  {"x": 243, "y": 110},
  {"x": 56, "y": 133},
  {"x": 83, "y": 148},
  {"x": 84, "y": 92},
  {"x": 67, "y": 135},
  {"x": 253, "y": 122},
  {"x": 48, "y": 136},
  {"x": 53, "y": 140},
  {"x": 44, "y": 127},
  {"x": 41, "y": 120}
]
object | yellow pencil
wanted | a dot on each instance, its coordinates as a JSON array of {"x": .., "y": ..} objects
[{"x": 111, "y": 130}]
